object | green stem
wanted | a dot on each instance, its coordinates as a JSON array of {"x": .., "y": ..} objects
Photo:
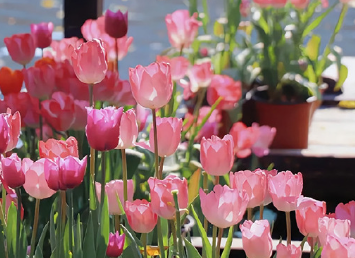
[
  {"x": 205, "y": 221},
  {"x": 261, "y": 212},
  {"x": 220, "y": 234},
  {"x": 117, "y": 222},
  {"x": 156, "y": 143},
  {"x": 160, "y": 239},
  {"x": 117, "y": 52},
  {"x": 144, "y": 242},
  {"x": 124, "y": 176},
  {"x": 178, "y": 223},
  {"x": 249, "y": 213},
  {"x": 71, "y": 215},
  {"x": 35, "y": 227},
  {"x": 214, "y": 238},
  {"x": 103, "y": 179},
  {"x": 59, "y": 226},
  {"x": 91, "y": 95},
  {"x": 170, "y": 105},
  {"x": 161, "y": 165},
  {"x": 288, "y": 227},
  {"x": 18, "y": 225},
  {"x": 173, "y": 232}
]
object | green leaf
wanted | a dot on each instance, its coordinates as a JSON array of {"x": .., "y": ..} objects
[
  {"x": 194, "y": 185},
  {"x": 227, "y": 247},
  {"x": 52, "y": 237},
  {"x": 133, "y": 158},
  {"x": 2, "y": 241},
  {"x": 103, "y": 234},
  {"x": 39, "y": 248},
  {"x": 205, "y": 241},
  {"x": 11, "y": 231},
  {"x": 343, "y": 74},
  {"x": 66, "y": 240},
  {"x": 165, "y": 230},
  {"x": 193, "y": 7},
  {"x": 191, "y": 250},
  {"x": 312, "y": 48},
  {"x": 78, "y": 248},
  {"x": 131, "y": 252},
  {"x": 218, "y": 29},
  {"x": 135, "y": 251},
  {"x": 89, "y": 241},
  {"x": 317, "y": 21},
  {"x": 206, "y": 18}
]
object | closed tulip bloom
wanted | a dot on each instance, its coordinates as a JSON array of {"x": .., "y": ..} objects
[
  {"x": 347, "y": 211},
  {"x": 182, "y": 29},
  {"x": 200, "y": 75},
  {"x": 178, "y": 65},
  {"x": 80, "y": 115},
  {"x": 42, "y": 34},
  {"x": 4, "y": 134},
  {"x": 114, "y": 189},
  {"x": 140, "y": 216},
  {"x": 285, "y": 188},
  {"x": 265, "y": 137},
  {"x": 10, "y": 80},
  {"x": 40, "y": 81},
  {"x": 142, "y": 116},
  {"x": 13, "y": 170},
  {"x": 217, "y": 155},
  {"x": 253, "y": 183},
  {"x": 89, "y": 62},
  {"x": 256, "y": 238},
  {"x": 35, "y": 181},
  {"x": 244, "y": 139},
  {"x": 161, "y": 197},
  {"x": 53, "y": 148},
  {"x": 337, "y": 247},
  {"x": 273, "y": 172},
  {"x": 10, "y": 129},
  {"x": 115, "y": 244},
  {"x": 331, "y": 226},
  {"x": 21, "y": 48},
  {"x": 116, "y": 23},
  {"x": 59, "y": 111},
  {"x": 223, "y": 207},
  {"x": 152, "y": 85},
  {"x": 128, "y": 130},
  {"x": 290, "y": 251},
  {"x": 103, "y": 127}
]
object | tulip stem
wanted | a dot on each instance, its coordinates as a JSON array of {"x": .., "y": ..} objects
[
  {"x": 103, "y": 179},
  {"x": 91, "y": 95},
  {"x": 311, "y": 253},
  {"x": 178, "y": 223},
  {"x": 161, "y": 165},
  {"x": 18, "y": 225},
  {"x": 173, "y": 232},
  {"x": 172, "y": 102},
  {"x": 64, "y": 207},
  {"x": 220, "y": 234},
  {"x": 214, "y": 237},
  {"x": 40, "y": 120},
  {"x": 124, "y": 175},
  {"x": 156, "y": 143},
  {"x": 35, "y": 227},
  {"x": 117, "y": 222},
  {"x": 288, "y": 227},
  {"x": 249, "y": 213},
  {"x": 261, "y": 212},
  {"x": 205, "y": 222},
  {"x": 160, "y": 239},
  {"x": 144, "y": 242},
  {"x": 117, "y": 51},
  {"x": 216, "y": 180},
  {"x": 70, "y": 193}
]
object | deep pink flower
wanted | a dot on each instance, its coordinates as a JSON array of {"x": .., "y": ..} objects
[
  {"x": 10, "y": 129},
  {"x": 116, "y": 23},
  {"x": 42, "y": 34},
  {"x": 115, "y": 244},
  {"x": 21, "y": 48},
  {"x": 13, "y": 170}
]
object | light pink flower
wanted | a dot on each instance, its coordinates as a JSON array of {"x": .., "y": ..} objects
[
  {"x": 347, "y": 211},
  {"x": 290, "y": 251},
  {"x": 179, "y": 66},
  {"x": 331, "y": 226},
  {"x": 265, "y": 137},
  {"x": 128, "y": 130}
]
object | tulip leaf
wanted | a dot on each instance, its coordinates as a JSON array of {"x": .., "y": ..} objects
[
  {"x": 52, "y": 237},
  {"x": 205, "y": 18},
  {"x": 343, "y": 75},
  {"x": 131, "y": 252},
  {"x": 206, "y": 243},
  {"x": 133, "y": 158},
  {"x": 313, "y": 25},
  {"x": 132, "y": 249},
  {"x": 89, "y": 241},
  {"x": 312, "y": 48},
  {"x": 130, "y": 234},
  {"x": 78, "y": 248},
  {"x": 227, "y": 247},
  {"x": 2, "y": 241},
  {"x": 191, "y": 250},
  {"x": 39, "y": 248},
  {"x": 11, "y": 231},
  {"x": 194, "y": 185},
  {"x": 103, "y": 234}
]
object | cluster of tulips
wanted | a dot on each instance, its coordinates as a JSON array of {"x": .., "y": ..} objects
[{"x": 75, "y": 89}]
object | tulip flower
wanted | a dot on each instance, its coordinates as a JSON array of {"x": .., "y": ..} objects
[
  {"x": 35, "y": 182},
  {"x": 80, "y": 120},
  {"x": 61, "y": 48},
  {"x": 115, "y": 244},
  {"x": 89, "y": 62},
  {"x": 200, "y": 75},
  {"x": 13, "y": 170},
  {"x": 152, "y": 85},
  {"x": 285, "y": 189},
  {"x": 64, "y": 173},
  {"x": 307, "y": 217},
  {"x": 290, "y": 251},
  {"x": 182, "y": 29},
  {"x": 59, "y": 111},
  {"x": 331, "y": 226},
  {"x": 42, "y": 34},
  {"x": 58, "y": 148},
  {"x": 217, "y": 155},
  {"x": 10, "y": 80},
  {"x": 12, "y": 198},
  {"x": 142, "y": 116},
  {"x": 225, "y": 87},
  {"x": 162, "y": 200},
  {"x": 339, "y": 247},
  {"x": 256, "y": 238},
  {"x": 273, "y": 172},
  {"x": 10, "y": 129},
  {"x": 21, "y": 48},
  {"x": 265, "y": 137},
  {"x": 253, "y": 183},
  {"x": 123, "y": 44},
  {"x": 244, "y": 138},
  {"x": 273, "y": 3},
  {"x": 116, "y": 23},
  {"x": 94, "y": 28},
  {"x": 223, "y": 207},
  {"x": 169, "y": 134},
  {"x": 40, "y": 81},
  {"x": 103, "y": 128},
  {"x": 178, "y": 65},
  {"x": 300, "y": 4},
  {"x": 113, "y": 190},
  {"x": 347, "y": 211},
  {"x": 140, "y": 216},
  {"x": 128, "y": 130}
]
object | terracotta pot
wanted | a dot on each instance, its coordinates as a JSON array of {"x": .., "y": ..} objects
[
  {"x": 316, "y": 104},
  {"x": 290, "y": 120}
]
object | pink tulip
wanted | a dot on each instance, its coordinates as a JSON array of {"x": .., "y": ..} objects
[
  {"x": 290, "y": 251},
  {"x": 103, "y": 128},
  {"x": 307, "y": 217},
  {"x": 273, "y": 172},
  {"x": 179, "y": 66},
  {"x": 10, "y": 129},
  {"x": 93, "y": 28},
  {"x": 300, "y": 4},
  {"x": 244, "y": 138},
  {"x": 245, "y": 8},
  {"x": 285, "y": 189},
  {"x": 80, "y": 115},
  {"x": 151, "y": 85},
  {"x": 140, "y": 216},
  {"x": 57, "y": 148},
  {"x": 40, "y": 81},
  {"x": 89, "y": 62},
  {"x": 61, "y": 48},
  {"x": 225, "y": 87},
  {"x": 63, "y": 174},
  {"x": 256, "y": 238},
  {"x": 21, "y": 48},
  {"x": 122, "y": 96},
  {"x": 217, "y": 155},
  {"x": 162, "y": 198},
  {"x": 123, "y": 44},
  {"x": 223, "y": 207},
  {"x": 115, "y": 244},
  {"x": 253, "y": 183},
  {"x": 273, "y": 3},
  {"x": 114, "y": 190},
  {"x": 42, "y": 34},
  {"x": 35, "y": 183},
  {"x": 339, "y": 247},
  {"x": 142, "y": 116},
  {"x": 200, "y": 75},
  {"x": 169, "y": 134},
  {"x": 116, "y": 23},
  {"x": 59, "y": 111},
  {"x": 128, "y": 130},
  {"x": 182, "y": 29},
  {"x": 331, "y": 226},
  {"x": 265, "y": 137},
  {"x": 347, "y": 211},
  {"x": 13, "y": 170}
]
